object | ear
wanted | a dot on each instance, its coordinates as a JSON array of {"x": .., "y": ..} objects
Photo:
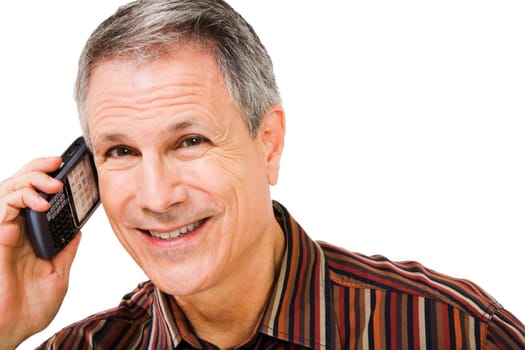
[{"x": 271, "y": 134}]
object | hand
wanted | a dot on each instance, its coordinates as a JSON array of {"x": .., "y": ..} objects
[{"x": 31, "y": 289}]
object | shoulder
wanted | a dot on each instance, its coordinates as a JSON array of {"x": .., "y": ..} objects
[
  {"x": 378, "y": 272},
  {"x": 133, "y": 306},
  {"x": 133, "y": 311},
  {"x": 433, "y": 293}
]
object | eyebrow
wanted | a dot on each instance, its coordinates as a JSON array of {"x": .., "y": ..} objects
[
  {"x": 113, "y": 137},
  {"x": 181, "y": 125}
]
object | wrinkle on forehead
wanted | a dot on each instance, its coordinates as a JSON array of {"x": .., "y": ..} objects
[
  {"x": 138, "y": 89},
  {"x": 141, "y": 87}
]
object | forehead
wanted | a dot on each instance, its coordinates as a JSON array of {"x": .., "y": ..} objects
[
  {"x": 185, "y": 61},
  {"x": 186, "y": 82},
  {"x": 184, "y": 72}
]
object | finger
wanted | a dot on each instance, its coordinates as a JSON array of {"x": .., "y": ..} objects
[
  {"x": 64, "y": 259},
  {"x": 29, "y": 172},
  {"x": 44, "y": 164},
  {"x": 34, "y": 179},
  {"x": 11, "y": 237},
  {"x": 11, "y": 204}
]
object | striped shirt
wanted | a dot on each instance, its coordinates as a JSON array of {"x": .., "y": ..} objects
[{"x": 324, "y": 298}]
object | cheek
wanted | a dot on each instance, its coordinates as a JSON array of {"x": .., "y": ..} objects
[
  {"x": 239, "y": 182},
  {"x": 116, "y": 192},
  {"x": 222, "y": 175},
  {"x": 115, "y": 189}
]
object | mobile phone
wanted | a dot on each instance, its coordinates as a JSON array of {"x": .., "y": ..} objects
[{"x": 50, "y": 231}]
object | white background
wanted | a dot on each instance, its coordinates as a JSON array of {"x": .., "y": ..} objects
[{"x": 405, "y": 130}]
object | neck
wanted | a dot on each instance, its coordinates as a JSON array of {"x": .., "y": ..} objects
[{"x": 228, "y": 315}]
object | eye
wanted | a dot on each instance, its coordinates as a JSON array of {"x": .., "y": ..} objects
[
  {"x": 192, "y": 146},
  {"x": 120, "y": 151},
  {"x": 193, "y": 141}
]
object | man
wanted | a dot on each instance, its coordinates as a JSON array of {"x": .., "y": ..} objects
[{"x": 178, "y": 102}]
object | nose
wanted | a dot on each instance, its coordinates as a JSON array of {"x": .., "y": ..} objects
[{"x": 160, "y": 186}]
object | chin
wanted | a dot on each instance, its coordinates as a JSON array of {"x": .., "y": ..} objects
[{"x": 176, "y": 283}]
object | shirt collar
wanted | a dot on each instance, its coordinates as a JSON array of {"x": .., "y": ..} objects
[
  {"x": 298, "y": 310},
  {"x": 170, "y": 320}
]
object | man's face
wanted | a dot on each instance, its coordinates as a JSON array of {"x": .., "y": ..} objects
[{"x": 184, "y": 185}]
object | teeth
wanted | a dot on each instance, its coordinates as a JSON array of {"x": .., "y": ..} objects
[{"x": 177, "y": 233}]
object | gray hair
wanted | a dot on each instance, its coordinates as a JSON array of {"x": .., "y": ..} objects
[{"x": 147, "y": 29}]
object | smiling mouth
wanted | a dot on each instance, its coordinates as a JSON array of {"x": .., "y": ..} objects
[{"x": 177, "y": 233}]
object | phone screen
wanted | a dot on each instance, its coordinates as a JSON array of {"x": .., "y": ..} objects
[{"x": 83, "y": 188}]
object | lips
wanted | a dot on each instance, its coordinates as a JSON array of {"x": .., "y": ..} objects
[{"x": 177, "y": 233}]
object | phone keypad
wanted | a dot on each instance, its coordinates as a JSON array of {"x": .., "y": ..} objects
[{"x": 60, "y": 221}]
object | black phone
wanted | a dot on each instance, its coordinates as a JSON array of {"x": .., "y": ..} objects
[{"x": 50, "y": 231}]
